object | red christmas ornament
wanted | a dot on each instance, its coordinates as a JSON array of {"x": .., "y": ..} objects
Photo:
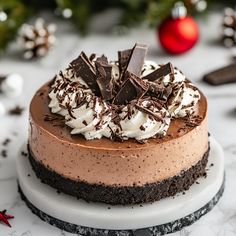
[
  {"x": 179, "y": 33},
  {"x": 5, "y": 217}
]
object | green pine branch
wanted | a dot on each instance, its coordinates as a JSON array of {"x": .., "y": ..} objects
[{"x": 17, "y": 13}]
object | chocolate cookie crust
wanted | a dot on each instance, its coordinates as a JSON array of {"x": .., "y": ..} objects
[{"x": 120, "y": 194}]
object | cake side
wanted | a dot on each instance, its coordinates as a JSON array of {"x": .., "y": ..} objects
[{"x": 113, "y": 194}]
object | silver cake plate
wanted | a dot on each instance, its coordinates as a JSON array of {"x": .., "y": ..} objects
[{"x": 96, "y": 219}]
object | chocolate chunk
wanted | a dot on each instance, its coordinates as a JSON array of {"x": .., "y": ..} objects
[
  {"x": 136, "y": 59},
  {"x": 102, "y": 59},
  {"x": 132, "y": 88},
  {"x": 159, "y": 91},
  {"x": 160, "y": 72},
  {"x": 84, "y": 68},
  {"x": 104, "y": 79},
  {"x": 223, "y": 75},
  {"x": 85, "y": 122},
  {"x": 149, "y": 112},
  {"x": 123, "y": 57}
]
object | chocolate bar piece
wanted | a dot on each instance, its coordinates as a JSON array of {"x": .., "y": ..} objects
[
  {"x": 223, "y": 75},
  {"x": 160, "y": 72},
  {"x": 159, "y": 91},
  {"x": 136, "y": 59},
  {"x": 104, "y": 79},
  {"x": 84, "y": 68},
  {"x": 123, "y": 58},
  {"x": 149, "y": 112},
  {"x": 132, "y": 88}
]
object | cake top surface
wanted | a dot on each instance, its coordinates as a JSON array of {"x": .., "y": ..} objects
[{"x": 130, "y": 98}]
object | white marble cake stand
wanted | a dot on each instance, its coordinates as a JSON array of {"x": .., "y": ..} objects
[{"x": 165, "y": 216}]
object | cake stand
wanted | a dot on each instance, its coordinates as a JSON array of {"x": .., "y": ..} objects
[{"x": 96, "y": 219}]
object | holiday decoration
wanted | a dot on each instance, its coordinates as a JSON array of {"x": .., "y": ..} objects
[
  {"x": 37, "y": 39},
  {"x": 11, "y": 85},
  {"x": 132, "y": 11},
  {"x": 197, "y": 5},
  {"x": 229, "y": 27},
  {"x": 178, "y": 33},
  {"x": 13, "y": 14},
  {"x": 5, "y": 217}
]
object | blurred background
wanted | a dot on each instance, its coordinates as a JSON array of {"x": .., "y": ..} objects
[
  {"x": 39, "y": 38},
  {"x": 109, "y": 17}
]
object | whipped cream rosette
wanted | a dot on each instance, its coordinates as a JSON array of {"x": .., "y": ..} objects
[{"x": 128, "y": 98}]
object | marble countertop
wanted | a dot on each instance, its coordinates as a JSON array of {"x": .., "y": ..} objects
[{"x": 206, "y": 56}]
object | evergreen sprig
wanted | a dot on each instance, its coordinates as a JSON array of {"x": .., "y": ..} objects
[
  {"x": 17, "y": 13},
  {"x": 133, "y": 12}
]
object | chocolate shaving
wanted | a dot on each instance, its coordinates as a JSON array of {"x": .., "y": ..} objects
[
  {"x": 2, "y": 78},
  {"x": 149, "y": 112},
  {"x": 55, "y": 120},
  {"x": 143, "y": 141},
  {"x": 132, "y": 88},
  {"x": 85, "y": 122},
  {"x": 192, "y": 121},
  {"x": 4, "y": 153},
  {"x": 70, "y": 110},
  {"x": 142, "y": 128},
  {"x": 104, "y": 79},
  {"x": 159, "y": 91},
  {"x": 84, "y": 68},
  {"x": 160, "y": 72},
  {"x": 50, "y": 118},
  {"x": 23, "y": 153},
  {"x": 6, "y": 142},
  {"x": 81, "y": 102},
  {"x": 17, "y": 110},
  {"x": 191, "y": 124},
  {"x": 102, "y": 59}
]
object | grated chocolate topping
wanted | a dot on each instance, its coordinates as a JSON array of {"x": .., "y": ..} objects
[{"x": 112, "y": 93}]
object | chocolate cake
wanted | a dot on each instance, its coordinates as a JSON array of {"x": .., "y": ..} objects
[{"x": 119, "y": 132}]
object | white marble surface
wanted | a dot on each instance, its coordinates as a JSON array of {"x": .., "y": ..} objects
[{"x": 207, "y": 55}]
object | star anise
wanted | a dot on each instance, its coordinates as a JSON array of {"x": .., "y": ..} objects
[{"x": 5, "y": 217}]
